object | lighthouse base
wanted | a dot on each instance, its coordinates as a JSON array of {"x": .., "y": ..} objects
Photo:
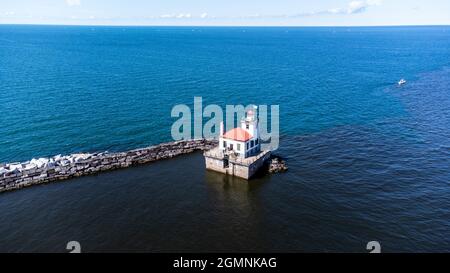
[{"x": 245, "y": 168}]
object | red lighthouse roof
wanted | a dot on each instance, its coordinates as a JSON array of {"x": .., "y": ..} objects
[{"x": 238, "y": 134}]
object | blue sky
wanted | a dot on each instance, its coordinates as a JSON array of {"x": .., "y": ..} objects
[{"x": 226, "y": 12}]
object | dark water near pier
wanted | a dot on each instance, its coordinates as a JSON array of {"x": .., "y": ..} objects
[{"x": 368, "y": 160}]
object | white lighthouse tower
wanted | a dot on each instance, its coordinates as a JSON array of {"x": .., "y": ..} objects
[{"x": 242, "y": 141}]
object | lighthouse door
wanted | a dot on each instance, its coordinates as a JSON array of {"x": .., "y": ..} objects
[{"x": 226, "y": 161}]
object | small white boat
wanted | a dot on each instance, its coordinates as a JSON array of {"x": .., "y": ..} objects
[{"x": 402, "y": 82}]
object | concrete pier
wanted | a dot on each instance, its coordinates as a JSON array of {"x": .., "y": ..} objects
[
  {"x": 44, "y": 170},
  {"x": 246, "y": 168}
]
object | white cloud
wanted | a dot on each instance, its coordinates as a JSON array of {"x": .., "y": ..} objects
[
  {"x": 356, "y": 7},
  {"x": 361, "y": 6},
  {"x": 184, "y": 15},
  {"x": 72, "y": 3},
  {"x": 164, "y": 16},
  {"x": 335, "y": 11},
  {"x": 353, "y": 7}
]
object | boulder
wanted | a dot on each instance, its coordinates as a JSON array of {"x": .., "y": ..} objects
[
  {"x": 277, "y": 165},
  {"x": 30, "y": 166},
  {"x": 39, "y": 163}
]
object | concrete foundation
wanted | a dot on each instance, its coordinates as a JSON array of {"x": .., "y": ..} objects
[{"x": 245, "y": 168}]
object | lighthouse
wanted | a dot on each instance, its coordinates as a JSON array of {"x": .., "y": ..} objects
[
  {"x": 239, "y": 151},
  {"x": 242, "y": 141}
]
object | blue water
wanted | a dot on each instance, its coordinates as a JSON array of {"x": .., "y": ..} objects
[
  {"x": 69, "y": 89},
  {"x": 368, "y": 160}
]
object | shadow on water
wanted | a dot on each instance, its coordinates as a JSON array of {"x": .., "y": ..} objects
[
  {"x": 237, "y": 212},
  {"x": 224, "y": 183}
]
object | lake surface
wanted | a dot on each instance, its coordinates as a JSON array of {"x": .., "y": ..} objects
[{"x": 368, "y": 160}]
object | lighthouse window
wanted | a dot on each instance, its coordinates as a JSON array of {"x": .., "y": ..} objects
[
  {"x": 238, "y": 147},
  {"x": 224, "y": 144},
  {"x": 247, "y": 145},
  {"x": 247, "y": 126},
  {"x": 252, "y": 143}
]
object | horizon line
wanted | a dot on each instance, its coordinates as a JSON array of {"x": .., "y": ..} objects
[{"x": 271, "y": 26}]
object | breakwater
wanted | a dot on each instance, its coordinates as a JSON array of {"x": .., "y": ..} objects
[{"x": 44, "y": 170}]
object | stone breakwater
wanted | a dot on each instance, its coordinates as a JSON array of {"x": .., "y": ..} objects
[
  {"x": 44, "y": 170},
  {"x": 277, "y": 165}
]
